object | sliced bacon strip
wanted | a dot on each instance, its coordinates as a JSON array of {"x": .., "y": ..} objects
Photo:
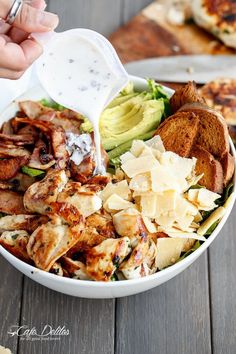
[
  {"x": 40, "y": 159},
  {"x": 7, "y": 128},
  {"x": 33, "y": 109},
  {"x": 10, "y": 167},
  {"x": 67, "y": 119},
  {"x": 57, "y": 136},
  {"x": 29, "y": 130},
  {"x": 13, "y": 151},
  {"x": 11, "y": 203},
  {"x": 18, "y": 140}
]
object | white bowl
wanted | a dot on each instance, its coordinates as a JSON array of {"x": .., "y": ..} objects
[{"x": 90, "y": 289}]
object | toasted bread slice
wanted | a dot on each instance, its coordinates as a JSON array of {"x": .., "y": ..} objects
[
  {"x": 186, "y": 94},
  {"x": 212, "y": 131},
  {"x": 213, "y": 172},
  {"x": 178, "y": 132},
  {"x": 227, "y": 162}
]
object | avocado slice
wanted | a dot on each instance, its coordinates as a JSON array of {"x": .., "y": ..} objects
[
  {"x": 128, "y": 117},
  {"x": 128, "y": 121},
  {"x": 121, "y": 149},
  {"x": 121, "y": 99},
  {"x": 117, "y": 111}
]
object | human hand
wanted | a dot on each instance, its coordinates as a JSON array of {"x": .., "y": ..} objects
[{"x": 17, "y": 50}]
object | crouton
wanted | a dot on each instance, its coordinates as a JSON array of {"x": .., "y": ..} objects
[
  {"x": 213, "y": 172},
  {"x": 178, "y": 132}
]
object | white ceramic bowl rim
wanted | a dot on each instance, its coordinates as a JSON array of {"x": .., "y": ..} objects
[{"x": 123, "y": 283}]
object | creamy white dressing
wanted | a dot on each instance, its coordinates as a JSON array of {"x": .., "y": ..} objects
[
  {"x": 78, "y": 146},
  {"x": 81, "y": 71}
]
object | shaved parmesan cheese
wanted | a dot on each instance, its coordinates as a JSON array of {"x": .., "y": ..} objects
[
  {"x": 207, "y": 198},
  {"x": 137, "y": 147},
  {"x": 166, "y": 202},
  {"x": 156, "y": 143},
  {"x": 121, "y": 188},
  {"x": 148, "y": 205},
  {"x": 193, "y": 180},
  {"x": 169, "y": 251},
  {"x": 115, "y": 202},
  {"x": 214, "y": 217},
  {"x": 126, "y": 157},
  {"x": 151, "y": 227},
  {"x": 165, "y": 220},
  {"x": 148, "y": 151},
  {"x": 203, "y": 198},
  {"x": 139, "y": 165},
  {"x": 198, "y": 217},
  {"x": 229, "y": 201},
  {"x": 192, "y": 195},
  {"x": 163, "y": 180},
  {"x": 175, "y": 233},
  {"x": 141, "y": 183},
  {"x": 181, "y": 166}
]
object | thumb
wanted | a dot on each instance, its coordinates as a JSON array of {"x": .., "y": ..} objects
[{"x": 31, "y": 20}]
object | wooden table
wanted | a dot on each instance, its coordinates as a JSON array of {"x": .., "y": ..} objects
[{"x": 194, "y": 313}]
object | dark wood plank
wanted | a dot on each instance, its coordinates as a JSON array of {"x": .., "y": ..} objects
[
  {"x": 90, "y": 322},
  {"x": 223, "y": 289},
  {"x": 103, "y": 16},
  {"x": 172, "y": 318},
  {"x": 10, "y": 303}
]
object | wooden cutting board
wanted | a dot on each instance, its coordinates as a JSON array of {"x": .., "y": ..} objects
[{"x": 150, "y": 35}]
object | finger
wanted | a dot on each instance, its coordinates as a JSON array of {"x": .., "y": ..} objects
[
  {"x": 37, "y": 4},
  {"x": 4, "y": 27},
  {"x": 16, "y": 34},
  {"x": 18, "y": 57},
  {"x": 34, "y": 20},
  {"x": 9, "y": 74}
]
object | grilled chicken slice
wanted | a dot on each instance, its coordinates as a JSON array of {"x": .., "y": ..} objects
[
  {"x": 11, "y": 203},
  {"x": 98, "y": 227},
  {"x": 129, "y": 223},
  {"x": 86, "y": 201},
  {"x": 28, "y": 223},
  {"x": 218, "y": 17},
  {"x": 74, "y": 269},
  {"x": 40, "y": 195},
  {"x": 15, "y": 242},
  {"x": 51, "y": 241},
  {"x": 103, "y": 260},
  {"x": 142, "y": 261}
]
